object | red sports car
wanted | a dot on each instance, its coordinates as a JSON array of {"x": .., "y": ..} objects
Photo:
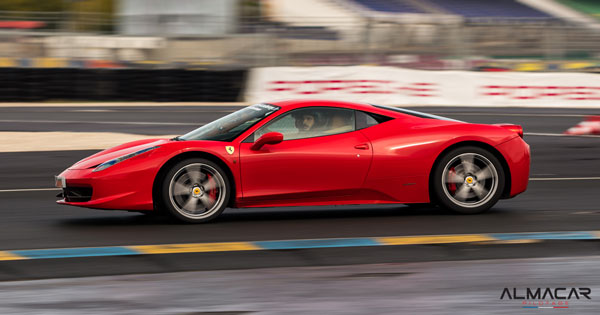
[{"x": 303, "y": 153}]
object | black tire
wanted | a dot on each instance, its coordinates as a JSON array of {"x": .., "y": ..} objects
[
  {"x": 467, "y": 180},
  {"x": 195, "y": 190}
]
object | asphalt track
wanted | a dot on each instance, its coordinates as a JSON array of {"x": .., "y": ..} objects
[
  {"x": 433, "y": 288},
  {"x": 564, "y": 196}
]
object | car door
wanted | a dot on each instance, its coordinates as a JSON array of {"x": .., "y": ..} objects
[{"x": 330, "y": 160}]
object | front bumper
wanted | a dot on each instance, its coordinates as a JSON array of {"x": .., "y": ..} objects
[
  {"x": 73, "y": 193},
  {"x": 106, "y": 190}
]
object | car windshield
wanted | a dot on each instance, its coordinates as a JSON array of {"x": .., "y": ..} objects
[{"x": 229, "y": 127}]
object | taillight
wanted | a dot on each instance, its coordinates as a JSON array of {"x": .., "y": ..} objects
[{"x": 514, "y": 128}]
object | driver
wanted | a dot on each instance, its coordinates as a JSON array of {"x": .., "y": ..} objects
[{"x": 306, "y": 121}]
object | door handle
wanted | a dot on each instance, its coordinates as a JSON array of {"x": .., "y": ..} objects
[{"x": 363, "y": 146}]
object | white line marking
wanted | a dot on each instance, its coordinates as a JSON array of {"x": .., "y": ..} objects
[
  {"x": 92, "y": 110},
  {"x": 130, "y": 104},
  {"x": 507, "y": 114},
  {"x": 563, "y": 178},
  {"x": 146, "y": 111},
  {"x": 561, "y": 106},
  {"x": 101, "y": 122},
  {"x": 558, "y": 135},
  {"x": 28, "y": 189}
]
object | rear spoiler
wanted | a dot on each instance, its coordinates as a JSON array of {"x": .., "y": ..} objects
[{"x": 514, "y": 128}]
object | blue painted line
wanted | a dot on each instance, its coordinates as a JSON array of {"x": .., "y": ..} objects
[
  {"x": 76, "y": 63},
  {"x": 25, "y": 62},
  {"x": 318, "y": 243},
  {"x": 545, "y": 236},
  {"x": 75, "y": 252},
  {"x": 529, "y": 306}
]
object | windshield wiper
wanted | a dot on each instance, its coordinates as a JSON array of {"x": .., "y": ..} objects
[{"x": 175, "y": 139}]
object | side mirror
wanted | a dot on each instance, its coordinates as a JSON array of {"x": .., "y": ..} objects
[{"x": 267, "y": 138}]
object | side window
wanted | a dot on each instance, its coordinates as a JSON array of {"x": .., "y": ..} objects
[
  {"x": 311, "y": 122},
  {"x": 286, "y": 125},
  {"x": 366, "y": 120}
]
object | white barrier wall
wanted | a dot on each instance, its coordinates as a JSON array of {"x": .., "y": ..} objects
[{"x": 396, "y": 86}]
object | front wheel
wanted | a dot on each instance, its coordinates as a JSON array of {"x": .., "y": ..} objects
[
  {"x": 195, "y": 190},
  {"x": 468, "y": 180}
]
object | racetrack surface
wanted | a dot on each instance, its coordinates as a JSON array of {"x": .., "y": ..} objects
[
  {"x": 32, "y": 220},
  {"x": 462, "y": 287}
]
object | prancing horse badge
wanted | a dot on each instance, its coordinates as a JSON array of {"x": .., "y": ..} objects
[{"x": 229, "y": 149}]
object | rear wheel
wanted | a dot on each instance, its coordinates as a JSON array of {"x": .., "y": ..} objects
[
  {"x": 195, "y": 190},
  {"x": 468, "y": 180}
]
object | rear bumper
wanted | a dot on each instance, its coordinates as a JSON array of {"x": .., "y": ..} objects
[
  {"x": 518, "y": 157},
  {"x": 119, "y": 191}
]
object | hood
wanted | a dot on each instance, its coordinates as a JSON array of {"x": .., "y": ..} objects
[{"x": 115, "y": 152}]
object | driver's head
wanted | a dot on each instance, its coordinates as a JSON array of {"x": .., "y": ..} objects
[{"x": 305, "y": 121}]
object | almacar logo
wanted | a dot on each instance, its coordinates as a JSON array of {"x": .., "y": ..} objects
[{"x": 546, "y": 293}]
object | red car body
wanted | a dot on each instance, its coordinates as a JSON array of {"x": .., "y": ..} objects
[{"x": 387, "y": 163}]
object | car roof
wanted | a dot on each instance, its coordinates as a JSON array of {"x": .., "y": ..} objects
[
  {"x": 393, "y": 112},
  {"x": 298, "y": 103}
]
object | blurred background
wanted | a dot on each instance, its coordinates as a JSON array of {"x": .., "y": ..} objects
[{"x": 85, "y": 48}]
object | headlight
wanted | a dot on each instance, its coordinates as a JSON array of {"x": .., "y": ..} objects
[{"x": 112, "y": 162}]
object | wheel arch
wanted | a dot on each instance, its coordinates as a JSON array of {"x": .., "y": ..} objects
[
  {"x": 482, "y": 145},
  {"x": 187, "y": 155}
]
